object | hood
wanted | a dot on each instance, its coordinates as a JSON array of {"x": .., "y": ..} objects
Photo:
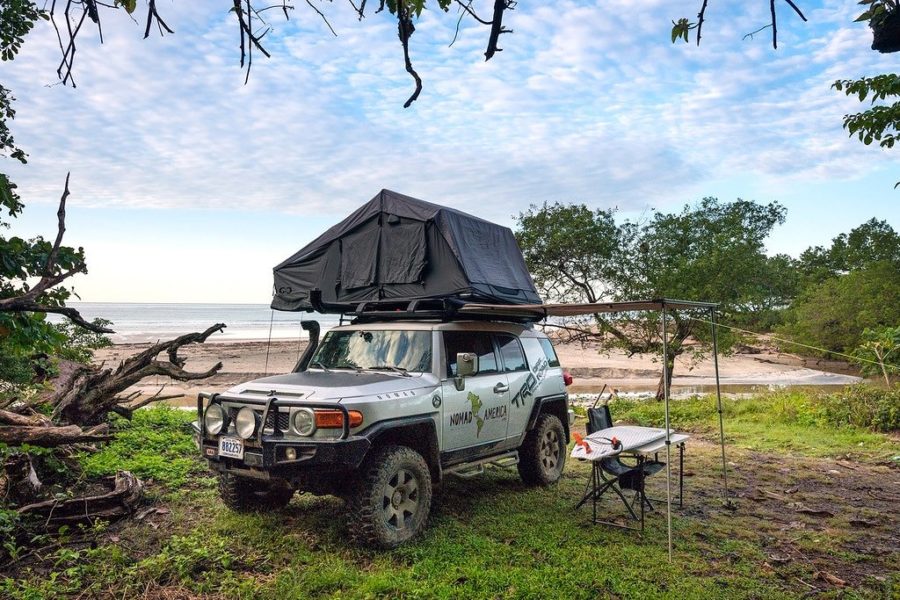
[{"x": 317, "y": 385}]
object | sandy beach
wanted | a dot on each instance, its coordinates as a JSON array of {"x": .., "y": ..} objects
[{"x": 749, "y": 370}]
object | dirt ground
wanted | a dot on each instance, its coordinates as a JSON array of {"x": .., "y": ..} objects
[{"x": 834, "y": 518}]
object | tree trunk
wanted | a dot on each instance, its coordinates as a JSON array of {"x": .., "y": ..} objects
[
  {"x": 675, "y": 349},
  {"x": 665, "y": 377},
  {"x": 50, "y": 437},
  {"x": 86, "y": 395}
]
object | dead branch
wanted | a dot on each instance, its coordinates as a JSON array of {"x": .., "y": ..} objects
[
  {"x": 87, "y": 397},
  {"x": 153, "y": 15},
  {"x": 51, "y": 277},
  {"x": 700, "y": 18},
  {"x": 405, "y": 29},
  {"x": 11, "y": 418},
  {"x": 127, "y": 410},
  {"x": 497, "y": 28},
  {"x": 120, "y": 501},
  {"x": 50, "y": 437},
  {"x": 321, "y": 14}
]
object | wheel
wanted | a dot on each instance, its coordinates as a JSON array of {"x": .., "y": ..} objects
[
  {"x": 542, "y": 455},
  {"x": 391, "y": 498},
  {"x": 243, "y": 494}
]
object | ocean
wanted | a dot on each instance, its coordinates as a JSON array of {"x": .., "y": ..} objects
[{"x": 145, "y": 322}]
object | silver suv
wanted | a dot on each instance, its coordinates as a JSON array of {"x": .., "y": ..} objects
[{"x": 379, "y": 413}]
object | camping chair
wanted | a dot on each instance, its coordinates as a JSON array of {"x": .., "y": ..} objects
[{"x": 614, "y": 474}]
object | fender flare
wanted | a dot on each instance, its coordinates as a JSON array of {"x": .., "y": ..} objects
[{"x": 556, "y": 404}]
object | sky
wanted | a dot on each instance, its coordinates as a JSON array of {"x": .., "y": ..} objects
[{"x": 189, "y": 186}]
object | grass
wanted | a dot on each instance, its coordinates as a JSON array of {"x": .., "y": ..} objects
[
  {"x": 493, "y": 537},
  {"x": 785, "y": 421}
]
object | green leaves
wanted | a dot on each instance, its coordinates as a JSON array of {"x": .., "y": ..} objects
[
  {"x": 877, "y": 10},
  {"x": 128, "y": 5},
  {"x": 681, "y": 28},
  {"x": 879, "y": 123},
  {"x": 17, "y": 17}
]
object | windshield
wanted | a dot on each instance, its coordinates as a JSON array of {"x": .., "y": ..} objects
[{"x": 378, "y": 350}]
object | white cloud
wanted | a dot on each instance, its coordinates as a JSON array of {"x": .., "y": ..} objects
[{"x": 588, "y": 101}]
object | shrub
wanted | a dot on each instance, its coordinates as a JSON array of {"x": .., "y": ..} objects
[{"x": 863, "y": 406}]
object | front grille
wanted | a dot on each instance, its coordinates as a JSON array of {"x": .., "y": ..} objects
[{"x": 284, "y": 418}]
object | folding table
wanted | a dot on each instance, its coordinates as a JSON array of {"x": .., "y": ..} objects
[{"x": 639, "y": 443}]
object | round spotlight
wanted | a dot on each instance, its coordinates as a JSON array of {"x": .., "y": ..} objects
[
  {"x": 245, "y": 422},
  {"x": 290, "y": 453},
  {"x": 304, "y": 421},
  {"x": 214, "y": 419}
]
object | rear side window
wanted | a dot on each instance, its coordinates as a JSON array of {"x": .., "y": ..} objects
[
  {"x": 470, "y": 341},
  {"x": 549, "y": 352},
  {"x": 511, "y": 354}
]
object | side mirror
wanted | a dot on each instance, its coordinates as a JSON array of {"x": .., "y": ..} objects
[{"x": 466, "y": 366}]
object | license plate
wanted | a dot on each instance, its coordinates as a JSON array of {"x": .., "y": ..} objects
[{"x": 231, "y": 447}]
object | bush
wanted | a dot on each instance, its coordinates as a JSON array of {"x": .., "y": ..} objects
[{"x": 863, "y": 406}]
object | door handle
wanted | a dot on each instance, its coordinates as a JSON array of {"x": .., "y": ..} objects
[{"x": 501, "y": 388}]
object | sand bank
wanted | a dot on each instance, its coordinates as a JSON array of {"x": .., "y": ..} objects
[{"x": 751, "y": 370}]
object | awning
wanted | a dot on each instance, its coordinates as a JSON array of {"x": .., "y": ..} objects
[{"x": 540, "y": 311}]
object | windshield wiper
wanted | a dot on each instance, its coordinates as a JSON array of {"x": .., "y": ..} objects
[
  {"x": 400, "y": 370},
  {"x": 319, "y": 364}
]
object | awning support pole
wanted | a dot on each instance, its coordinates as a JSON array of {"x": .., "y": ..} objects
[
  {"x": 665, "y": 341},
  {"x": 715, "y": 340}
]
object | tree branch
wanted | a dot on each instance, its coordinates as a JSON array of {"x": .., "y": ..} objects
[
  {"x": 497, "y": 27},
  {"x": 50, "y": 437},
  {"x": 468, "y": 9},
  {"x": 22, "y": 305},
  {"x": 700, "y": 18},
  {"x": 405, "y": 29},
  {"x": 151, "y": 15},
  {"x": 321, "y": 14}
]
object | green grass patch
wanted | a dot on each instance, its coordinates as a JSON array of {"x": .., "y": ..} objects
[
  {"x": 155, "y": 445},
  {"x": 493, "y": 537},
  {"x": 797, "y": 421}
]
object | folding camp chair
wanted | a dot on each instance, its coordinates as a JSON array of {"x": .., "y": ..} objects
[{"x": 614, "y": 474}]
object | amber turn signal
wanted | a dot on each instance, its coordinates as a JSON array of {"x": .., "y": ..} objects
[{"x": 334, "y": 419}]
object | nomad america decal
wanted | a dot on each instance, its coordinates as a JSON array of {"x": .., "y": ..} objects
[
  {"x": 467, "y": 416},
  {"x": 531, "y": 383}
]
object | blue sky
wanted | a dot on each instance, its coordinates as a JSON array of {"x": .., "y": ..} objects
[{"x": 189, "y": 186}]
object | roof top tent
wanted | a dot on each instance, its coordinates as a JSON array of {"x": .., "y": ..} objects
[{"x": 399, "y": 252}]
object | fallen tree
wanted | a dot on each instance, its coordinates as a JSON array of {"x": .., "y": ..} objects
[
  {"x": 89, "y": 394},
  {"x": 119, "y": 501},
  {"x": 61, "y": 405}
]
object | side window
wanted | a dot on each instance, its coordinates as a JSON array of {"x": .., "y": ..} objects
[
  {"x": 470, "y": 341},
  {"x": 549, "y": 352},
  {"x": 511, "y": 353}
]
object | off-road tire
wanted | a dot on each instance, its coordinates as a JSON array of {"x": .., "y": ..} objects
[
  {"x": 542, "y": 455},
  {"x": 246, "y": 495},
  {"x": 391, "y": 498}
]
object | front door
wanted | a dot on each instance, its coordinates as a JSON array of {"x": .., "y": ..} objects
[{"x": 479, "y": 413}]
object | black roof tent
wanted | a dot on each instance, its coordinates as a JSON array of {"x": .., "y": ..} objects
[{"x": 396, "y": 251}]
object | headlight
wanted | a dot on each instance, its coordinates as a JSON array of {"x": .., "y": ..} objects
[
  {"x": 304, "y": 421},
  {"x": 245, "y": 422},
  {"x": 214, "y": 419}
]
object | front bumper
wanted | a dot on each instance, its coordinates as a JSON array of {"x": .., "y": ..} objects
[{"x": 265, "y": 453}]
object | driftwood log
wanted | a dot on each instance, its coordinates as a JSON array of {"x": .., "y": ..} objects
[
  {"x": 119, "y": 501},
  {"x": 86, "y": 395},
  {"x": 48, "y": 436}
]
